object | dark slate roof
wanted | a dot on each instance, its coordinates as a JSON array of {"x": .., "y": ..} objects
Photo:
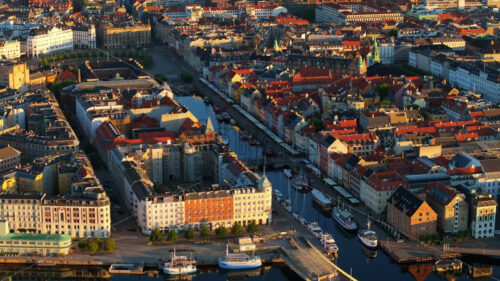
[
  {"x": 351, "y": 162},
  {"x": 460, "y": 161},
  {"x": 327, "y": 141},
  {"x": 491, "y": 165},
  {"x": 405, "y": 200},
  {"x": 141, "y": 190}
]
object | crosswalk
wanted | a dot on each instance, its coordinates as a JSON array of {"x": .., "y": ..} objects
[{"x": 126, "y": 237}]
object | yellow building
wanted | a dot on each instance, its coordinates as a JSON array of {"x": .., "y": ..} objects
[
  {"x": 13, "y": 75},
  {"x": 30, "y": 180},
  {"x": 41, "y": 244},
  {"x": 450, "y": 205}
]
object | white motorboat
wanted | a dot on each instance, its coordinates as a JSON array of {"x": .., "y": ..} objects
[
  {"x": 344, "y": 218},
  {"x": 368, "y": 237},
  {"x": 239, "y": 261}
]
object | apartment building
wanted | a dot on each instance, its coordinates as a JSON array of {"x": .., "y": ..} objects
[
  {"x": 483, "y": 209},
  {"x": 253, "y": 203},
  {"x": 84, "y": 36},
  {"x": 10, "y": 49},
  {"x": 450, "y": 206},
  {"x": 111, "y": 36},
  {"x": 212, "y": 207},
  {"x": 162, "y": 211},
  {"x": 10, "y": 158},
  {"x": 375, "y": 190},
  {"x": 58, "y": 194},
  {"x": 351, "y": 13},
  {"x": 13, "y": 75},
  {"x": 49, "y": 39},
  {"x": 47, "y": 130},
  {"x": 410, "y": 215}
]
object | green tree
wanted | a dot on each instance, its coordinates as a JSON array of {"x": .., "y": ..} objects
[
  {"x": 160, "y": 78},
  {"x": 189, "y": 233},
  {"x": 237, "y": 229},
  {"x": 318, "y": 125},
  {"x": 109, "y": 244},
  {"x": 92, "y": 247},
  {"x": 393, "y": 32},
  {"x": 252, "y": 228},
  {"x": 204, "y": 231},
  {"x": 156, "y": 235},
  {"x": 187, "y": 77},
  {"x": 383, "y": 90},
  {"x": 57, "y": 86},
  {"x": 221, "y": 231},
  {"x": 83, "y": 244},
  {"x": 172, "y": 235}
]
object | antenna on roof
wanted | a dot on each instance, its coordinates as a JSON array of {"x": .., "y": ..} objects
[{"x": 265, "y": 158}]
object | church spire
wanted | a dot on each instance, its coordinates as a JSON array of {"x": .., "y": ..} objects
[{"x": 209, "y": 128}]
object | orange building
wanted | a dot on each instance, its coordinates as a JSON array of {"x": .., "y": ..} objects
[
  {"x": 213, "y": 207},
  {"x": 410, "y": 215}
]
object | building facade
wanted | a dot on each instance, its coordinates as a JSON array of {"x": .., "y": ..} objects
[
  {"x": 450, "y": 206},
  {"x": 48, "y": 39},
  {"x": 483, "y": 209},
  {"x": 410, "y": 215},
  {"x": 114, "y": 37},
  {"x": 27, "y": 244},
  {"x": 14, "y": 75},
  {"x": 10, "y": 49},
  {"x": 84, "y": 36},
  {"x": 10, "y": 158}
]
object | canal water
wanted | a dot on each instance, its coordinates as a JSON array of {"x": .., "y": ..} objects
[{"x": 353, "y": 258}]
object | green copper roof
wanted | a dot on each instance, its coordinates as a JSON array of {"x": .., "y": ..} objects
[{"x": 35, "y": 237}]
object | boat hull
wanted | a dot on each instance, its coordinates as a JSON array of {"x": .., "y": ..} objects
[
  {"x": 343, "y": 225},
  {"x": 366, "y": 244},
  {"x": 226, "y": 265},
  {"x": 179, "y": 271}
]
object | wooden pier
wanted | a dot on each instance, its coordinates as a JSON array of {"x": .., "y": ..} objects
[
  {"x": 309, "y": 263},
  {"x": 413, "y": 252}
]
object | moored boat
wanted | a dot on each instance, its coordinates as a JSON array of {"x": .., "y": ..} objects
[
  {"x": 301, "y": 183},
  {"x": 239, "y": 261},
  {"x": 448, "y": 265},
  {"x": 344, "y": 218},
  {"x": 219, "y": 118},
  {"x": 329, "y": 244},
  {"x": 179, "y": 265},
  {"x": 321, "y": 200},
  {"x": 368, "y": 237},
  {"x": 225, "y": 116},
  {"x": 287, "y": 173}
]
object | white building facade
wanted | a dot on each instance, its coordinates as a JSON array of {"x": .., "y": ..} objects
[
  {"x": 84, "y": 37},
  {"x": 46, "y": 40},
  {"x": 10, "y": 49}
]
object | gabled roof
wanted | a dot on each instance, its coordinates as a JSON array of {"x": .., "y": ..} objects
[
  {"x": 406, "y": 201},
  {"x": 440, "y": 193}
]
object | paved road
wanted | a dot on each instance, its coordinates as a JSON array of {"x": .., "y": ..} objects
[{"x": 167, "y": 63}]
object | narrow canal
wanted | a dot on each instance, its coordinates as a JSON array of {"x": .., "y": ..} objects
[{"x": 363, "y": 264}]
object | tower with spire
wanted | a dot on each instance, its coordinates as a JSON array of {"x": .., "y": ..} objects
[
  {"x": 276, "y": 47},
  {"x": 375, "y": 52}
]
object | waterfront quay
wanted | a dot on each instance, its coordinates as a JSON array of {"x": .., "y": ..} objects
[{"x": 306, "y": 260}]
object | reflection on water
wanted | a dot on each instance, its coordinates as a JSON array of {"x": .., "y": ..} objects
[{"x": 19, "y": 272}]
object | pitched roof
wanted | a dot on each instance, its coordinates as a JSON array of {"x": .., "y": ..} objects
[{"x": 405, "y": 200}]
